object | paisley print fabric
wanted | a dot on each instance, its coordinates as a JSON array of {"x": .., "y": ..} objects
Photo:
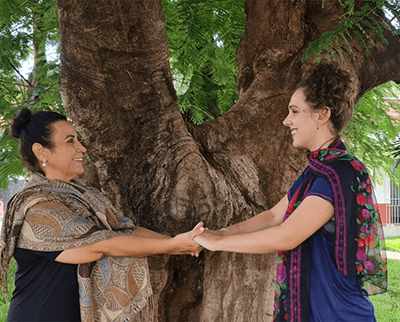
[{"x": 57, "y": 215}]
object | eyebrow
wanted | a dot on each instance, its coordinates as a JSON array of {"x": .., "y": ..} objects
[
  {"x": 69, "y": 136},
  {"x": 290, "y": 107}
]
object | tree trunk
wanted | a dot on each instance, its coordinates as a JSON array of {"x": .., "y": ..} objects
[{"x": 167, "y": 175}]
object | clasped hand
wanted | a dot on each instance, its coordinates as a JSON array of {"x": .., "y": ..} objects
[
  {"x": 209, "y": 239},
  {"x": 185, "y": 243},
  {"x": 193, "y": 242}
]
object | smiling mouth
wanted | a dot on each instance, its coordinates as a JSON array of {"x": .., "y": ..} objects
[
  {"x": 294, "y": 131},
  {"x": 78, "y": 159}
]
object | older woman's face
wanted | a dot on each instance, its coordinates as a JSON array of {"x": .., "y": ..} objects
[{"x": 65, "y": 160}]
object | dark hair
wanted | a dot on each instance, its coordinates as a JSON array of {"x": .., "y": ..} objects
[
  {"x": 33, "y": 128},
  {"x": 326, "y": 84}
]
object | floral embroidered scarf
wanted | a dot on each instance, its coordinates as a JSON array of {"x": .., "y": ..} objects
[
  {"x": 53, "y": 215},
  {"x": 358, "y": 248}
]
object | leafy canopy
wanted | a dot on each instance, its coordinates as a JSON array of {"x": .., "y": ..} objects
[
  {"x": 353, "y": 23},
  {"x": 203, "y": 36},
  {"x": 27, "y": 29}
]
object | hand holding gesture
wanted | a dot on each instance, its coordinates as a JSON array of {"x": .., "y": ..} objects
[
  {"x": 185, "y": 243},
  {"x": 209, "y": 239}
]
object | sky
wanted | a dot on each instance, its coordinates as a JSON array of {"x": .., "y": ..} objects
[{"x": 51, "y": 55}]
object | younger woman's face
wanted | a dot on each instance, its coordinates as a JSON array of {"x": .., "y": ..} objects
[
  {"x": 302, "y": 121},
  {"x": 65, "y": 160}
]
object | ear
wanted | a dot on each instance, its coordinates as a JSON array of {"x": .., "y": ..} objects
[
  {"x": 40, "y": 152},
  {"x": 324, "y": 114}
]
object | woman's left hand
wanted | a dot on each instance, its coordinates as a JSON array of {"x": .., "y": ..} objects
[
  {"x": 185, "y": 243},
  {"x": 208, "y": 239}
]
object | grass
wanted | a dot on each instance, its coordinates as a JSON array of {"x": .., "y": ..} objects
[
  {"x": 5, "y": 300},
  {"x": 387, "y": 305},
  {"x": 393, "y": 243}
]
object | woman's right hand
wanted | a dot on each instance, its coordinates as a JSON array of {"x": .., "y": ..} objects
[
  {"x": 139, "y": 244},
  {"x": 185, "y": 244}
]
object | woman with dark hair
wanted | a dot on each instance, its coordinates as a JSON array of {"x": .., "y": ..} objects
[
  {"x": 327, "y": 229},
  {"x": 78, "y": 258}
]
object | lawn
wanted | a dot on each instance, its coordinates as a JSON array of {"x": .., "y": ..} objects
[
  {"x": 387, "y": 305},
  {"x": 5, "y": 300},
  {"x": 393, "y": 243}
]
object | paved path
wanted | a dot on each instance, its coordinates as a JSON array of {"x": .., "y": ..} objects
[{"x": 393, "y": 255}]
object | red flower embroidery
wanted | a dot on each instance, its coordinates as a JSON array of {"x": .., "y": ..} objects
[
  {"x": 359, "y": 268},
  {"x": 355, "y": 165},
  {"x": 292, "y": 202},
  {"x": 370, "y": 241},
  {"x": 361, "y": 200},
  {"x": 369, "y": 189}
]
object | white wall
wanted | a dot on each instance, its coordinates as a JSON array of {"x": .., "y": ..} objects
[{"x": 382, "y": 192}]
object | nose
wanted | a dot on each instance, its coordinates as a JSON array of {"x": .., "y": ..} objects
[
  {"x": 81, "y": 148},
  {"x": 286, "y": 121}
]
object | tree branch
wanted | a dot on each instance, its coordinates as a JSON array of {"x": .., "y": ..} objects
[{"x": 12, "y": 65}]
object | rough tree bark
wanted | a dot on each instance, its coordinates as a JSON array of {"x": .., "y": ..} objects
[{"x": 167, "y": 175}]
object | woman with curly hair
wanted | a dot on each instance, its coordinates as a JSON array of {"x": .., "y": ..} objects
[{"x": 326, "y": 230}]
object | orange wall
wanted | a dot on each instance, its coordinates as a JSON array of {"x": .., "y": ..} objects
[{"x": 382, "y": 210}]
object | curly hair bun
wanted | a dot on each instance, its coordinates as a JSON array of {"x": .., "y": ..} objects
[
  {"x": 327, "y": 85},
  {"x": 19, "y": 122}
]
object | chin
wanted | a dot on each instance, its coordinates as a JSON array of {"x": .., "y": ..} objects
[
  {"x": 296, "y": 144},
  {"x": 78, "y": 174},
  {"x": 299, "y": 146}
]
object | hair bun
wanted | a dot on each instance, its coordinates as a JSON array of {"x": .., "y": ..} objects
[{"x": 19, "y": 122}]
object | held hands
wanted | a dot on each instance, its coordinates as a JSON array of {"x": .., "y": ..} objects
[
  {"x": 185, "y": 243},
  {"x": 209, "y": 238},
  {"x": 192, "y": 242}
]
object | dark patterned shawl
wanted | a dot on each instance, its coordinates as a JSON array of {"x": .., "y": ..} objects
[
  {"x": 358, "y": 248},
  {"x": 53, "y": 215}
]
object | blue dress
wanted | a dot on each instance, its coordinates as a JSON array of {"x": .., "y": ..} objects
[{"x": 333, "y": 297}]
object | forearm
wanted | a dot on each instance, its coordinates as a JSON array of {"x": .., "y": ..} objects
[
  {"x": 268, "y": 218},
  {"x": 143, "y": 232},
  {"x": 259, "y": 222},
  {"x": 308, "y": 218},
  {"x": 136, "y": 246},
  {"x": 268, "y": 240},
  {"x": 120, "y": 246},
  {"x": 142, "y": 242}
]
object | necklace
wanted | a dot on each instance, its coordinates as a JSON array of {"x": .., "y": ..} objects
[{"x": 326, "y": 142}]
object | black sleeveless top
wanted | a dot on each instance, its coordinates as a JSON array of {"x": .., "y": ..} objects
[{"x": 45, "y": 290}]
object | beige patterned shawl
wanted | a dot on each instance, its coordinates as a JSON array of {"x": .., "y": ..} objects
[{"x": 53, "y": 215}]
